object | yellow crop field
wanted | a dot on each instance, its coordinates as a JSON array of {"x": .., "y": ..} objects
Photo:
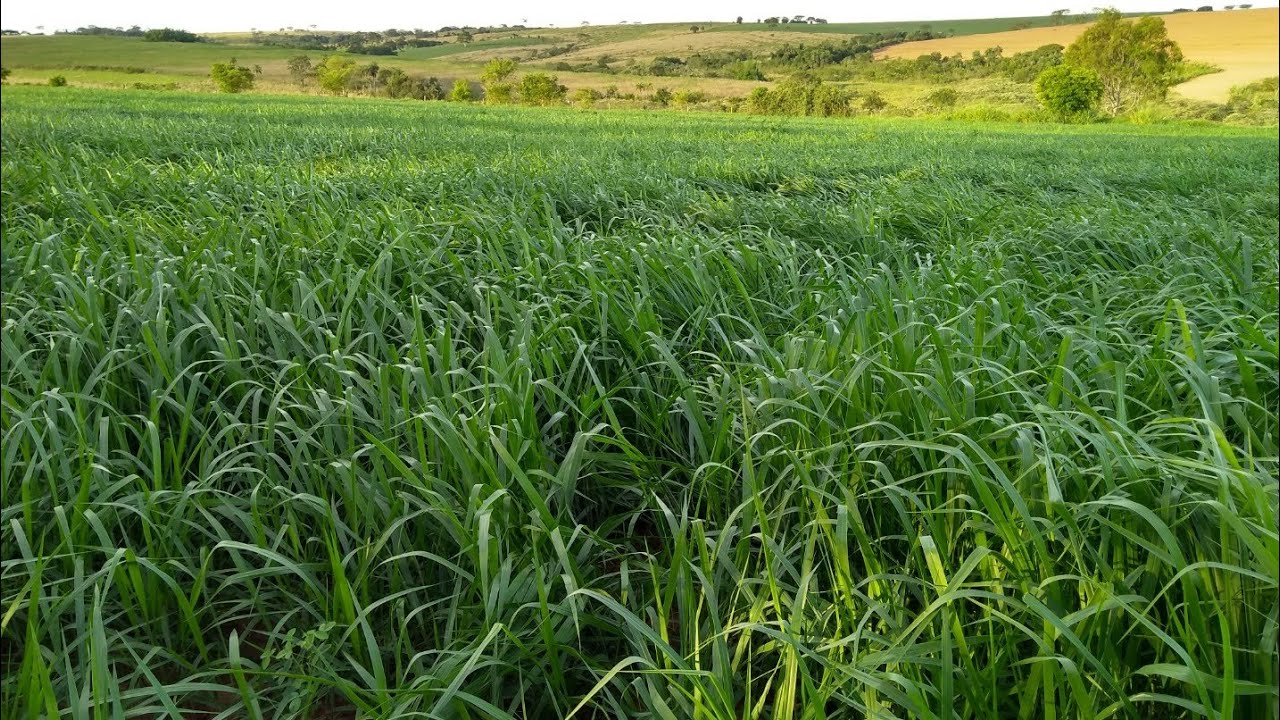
[{"x": 1244, "y": 43}]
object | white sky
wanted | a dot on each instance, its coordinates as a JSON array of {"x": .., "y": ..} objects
[{"x": 223, "y": 15}]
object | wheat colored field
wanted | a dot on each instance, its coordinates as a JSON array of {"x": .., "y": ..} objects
[{"x": 1244, "y": 43}]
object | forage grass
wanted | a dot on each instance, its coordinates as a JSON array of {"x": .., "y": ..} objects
[{"x": 318, "y": 409}]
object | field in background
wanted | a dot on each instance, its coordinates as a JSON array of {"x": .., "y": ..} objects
[
  {"x": 1244, "y": 43},
  {"x": 331, "y": 408}
]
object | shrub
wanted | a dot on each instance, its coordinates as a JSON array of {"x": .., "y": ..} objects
[
  {"x": 685, "y": 98},
  {"x": 942, "y": 98},
  {"x": 4, "y": 73},
  {"x": 461, "y": 91},
  {"x": 584, "y": 97},
  {"x": 497, "y": 90},
  {"x": 58, "y": 81},
  {"x": 541, "y": 89},
  {"x": 230, "y": 77},
  {"x": 1068, "y": 92},
  {"x": 662, "y": 96},
  {"x": 874, "y": 102}
]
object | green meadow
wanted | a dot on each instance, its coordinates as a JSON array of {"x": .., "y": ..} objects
[{"x": 337, "y": 408}]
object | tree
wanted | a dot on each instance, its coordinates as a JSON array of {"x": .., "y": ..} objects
[
  {"x": 1205, "y": 8},
  {"x": 4, "y": 73},
  {"x": 1132, "y": 59},
  {"x": 1059, "y": 16},
  {"x": 541, "y": 89},
  {"x": 58, "y": 81},
  {"x": 694, "y": 29},
  {"x": 739, "y": 20},
  {"x": 1069, "y": 92},
  {"x": 461, "y": 91},
  {"x": 300, "y": 69},
  {"x": 494, "y": 78},
  {"x": 230, "y": 77},
  {"x": 170, "y": 35},
  {"x": 464, "y": 36},
  {"x": 334, "y": 72},
  {"x": 662, "y": 96}
]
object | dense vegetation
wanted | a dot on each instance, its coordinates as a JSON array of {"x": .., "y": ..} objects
[{"x": 312, "y": 408}]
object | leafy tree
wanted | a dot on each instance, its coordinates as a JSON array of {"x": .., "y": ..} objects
[
  {"x": 334, "y": 72},
  {"x": 739, "y": 20},
  {"x": 1060, "y": 16},
  {"x": 498, "y": 70},
  {"x": 1133, "y": 59},
  {"x": 694, "y": 29},
  {"x": 497, "y": 89},
  {"x": 461, "y": 91},
  {"x": 662, "y": 96},
  {"x": 464, "y": 36},
  {"x": 1069, "y": 92},
  {"x": 230, "y": 77},
  {"x": 58, "y": 81},
  {"x": 541, "y": 89},
  {"x": 4, "y": 73},
  {"x": 300, "y": 69}
]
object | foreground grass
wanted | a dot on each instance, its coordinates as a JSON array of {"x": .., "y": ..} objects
[{"x": 321, "y": 409}]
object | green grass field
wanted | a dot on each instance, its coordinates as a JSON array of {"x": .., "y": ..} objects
[{"x": 338, "y": 408}]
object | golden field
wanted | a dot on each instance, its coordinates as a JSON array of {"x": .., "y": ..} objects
[{"x": 1244, "y": 43}]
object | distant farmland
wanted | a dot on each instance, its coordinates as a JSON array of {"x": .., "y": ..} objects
[{"x": 1244, "y": 43}]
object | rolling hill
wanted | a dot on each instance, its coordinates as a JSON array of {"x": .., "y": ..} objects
[{"x": 1244, "y": 43}]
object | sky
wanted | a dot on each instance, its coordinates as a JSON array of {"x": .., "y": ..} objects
[{"x": 226, "y": 15}]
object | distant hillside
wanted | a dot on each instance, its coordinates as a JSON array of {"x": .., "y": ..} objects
[{"x": 1244, "y": 43}]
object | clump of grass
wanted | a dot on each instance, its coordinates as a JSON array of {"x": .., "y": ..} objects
[{"x": 308, "y": 413}]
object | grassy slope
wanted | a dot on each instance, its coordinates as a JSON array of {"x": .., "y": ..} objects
[
  {"x": 1244, "y": 43},
  {"x": 467, "y": 407}
]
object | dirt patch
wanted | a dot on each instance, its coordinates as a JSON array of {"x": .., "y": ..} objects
[{"x": 1244, "y": 43}]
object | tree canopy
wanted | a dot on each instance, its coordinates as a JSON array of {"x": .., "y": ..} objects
[{"x": 1132, "y": 58}]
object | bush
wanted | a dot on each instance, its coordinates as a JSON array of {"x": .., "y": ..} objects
[
  {"x": 874, "y": 102},
  {"x": 230, "y": 77},
  {"x": 541, "y": 89},
  {"x": 662, "y": 96},
  {"x": 942, "y": 98},
  {"x": 1068, "y": 92},
  {"x": 4, "y": 73},
  {"x": 685, "y": 98},
  {"x": 585, "y": 97},
  {"x": 497, "y": 90},
  {"x": 461, "y": 91},
  {"x": 58, "y": 81}
]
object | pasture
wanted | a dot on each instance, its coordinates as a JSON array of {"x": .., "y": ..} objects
[{"x": 336, "y": 408}]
